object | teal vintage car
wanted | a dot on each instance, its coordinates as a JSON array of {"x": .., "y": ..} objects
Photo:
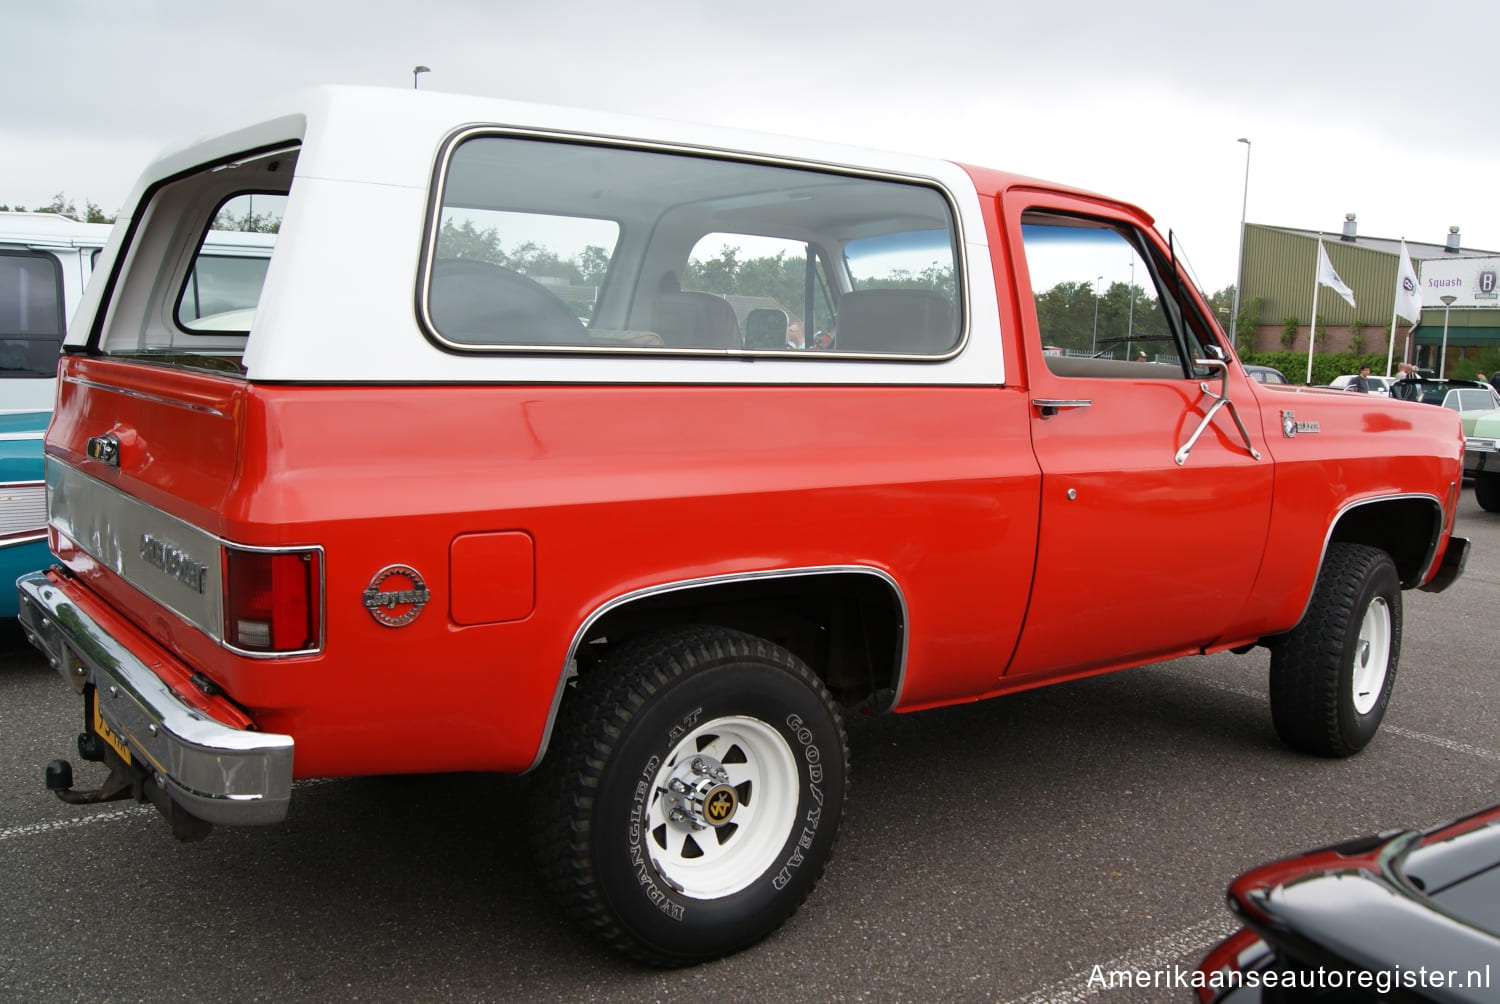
[
  {"x": 23, "y": 501},
  {"x": 46, "y": 262}
]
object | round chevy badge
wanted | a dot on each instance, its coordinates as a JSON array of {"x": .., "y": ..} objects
[{"x": 396, "y": 595}]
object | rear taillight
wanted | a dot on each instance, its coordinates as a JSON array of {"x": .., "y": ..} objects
[{"x": 271, "y": 599}]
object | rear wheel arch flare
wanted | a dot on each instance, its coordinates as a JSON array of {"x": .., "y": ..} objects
[{"x": 754, "y": 601}]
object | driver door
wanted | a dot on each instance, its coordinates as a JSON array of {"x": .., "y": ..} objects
[{"x": 1155, "y": 497}]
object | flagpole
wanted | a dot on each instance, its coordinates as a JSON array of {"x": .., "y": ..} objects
[
  {"x": 1390, "y": 348},
  {"x": 1312, "y": 330}
]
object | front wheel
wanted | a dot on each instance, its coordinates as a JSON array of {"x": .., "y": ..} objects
[
  {"x": 1332, "y": 675},
  {"x": 1487, "y": 490},
  {"x": 693, "y": 796}
]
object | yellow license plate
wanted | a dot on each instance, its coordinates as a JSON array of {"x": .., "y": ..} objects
[{"x": 103, "y": 731}]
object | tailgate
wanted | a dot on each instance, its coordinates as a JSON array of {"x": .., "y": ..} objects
[{"x": 141, "y": 463}]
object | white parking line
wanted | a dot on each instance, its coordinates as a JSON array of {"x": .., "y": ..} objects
[
  {"x": 1447, "y": 744},
  {"x": 1189, "y": 943},
  {"x": 98, "y": 816},
  {"x": 1192, "y": 942},
  {"x": 12, "y": 832},
  {"x": 1422, "y": 737}
]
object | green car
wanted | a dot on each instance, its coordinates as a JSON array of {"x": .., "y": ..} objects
[
  {"x": 1482, "y": 456},
  {"x": 1478, "y": 406}
]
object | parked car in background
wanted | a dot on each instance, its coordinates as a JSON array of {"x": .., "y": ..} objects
[
  {"x": 1404, "y": 915},
  {"x": 1378, "y": 384},
  {"x": 1266, "y": 374},
  {"x": 1454, "y": 394},
  {"x": 1482, "y": 457},
  {"x": 1478, "y": 407},
  {"x": 46, "y": 262}
]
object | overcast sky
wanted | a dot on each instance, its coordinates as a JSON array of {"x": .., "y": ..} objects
[{"x": 1382, "y": 109}]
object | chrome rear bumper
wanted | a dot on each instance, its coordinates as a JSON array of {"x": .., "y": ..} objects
[{"x": 217, "y": 773}]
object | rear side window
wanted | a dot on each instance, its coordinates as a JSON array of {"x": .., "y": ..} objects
[
  {"x": 194, "y": 262},
  {"x": 544, "y": 245},
  {"x": 32, "y": 320},
  {"x": 222, "y": 288}
]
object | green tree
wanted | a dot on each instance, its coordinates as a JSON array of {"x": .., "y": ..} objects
[
  {"x": 593, "y": 265},
  {"x": 1289, "y": 332},
  {"x": 1356, "y": 337},
  {"x": 1321, "y": 326},
  {"x": 534, "y": 259},
  {"x": 468, "y": 241},
  {"x": 720, "y": 274},
  {"x": 1065, "y": 314},
  {"x": 1249, "y": 322},
  {"x": 249, "y": 222},
  {"x": 64, "y": 206}
]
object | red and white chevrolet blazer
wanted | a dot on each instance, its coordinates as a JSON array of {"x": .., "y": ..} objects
[{"x": 636, "y": 454}]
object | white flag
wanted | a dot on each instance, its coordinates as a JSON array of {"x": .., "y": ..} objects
[
  {"x": 1408, "y": 293},
  {"x": 1328, "y": 277}
]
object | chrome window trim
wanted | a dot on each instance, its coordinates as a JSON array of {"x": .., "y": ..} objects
[
  {"x": 431, "y": 229},
  {"x": 212, "y": 623},
  {"x": 143, "y": 396},
  {"x": 718, "y": 580}
]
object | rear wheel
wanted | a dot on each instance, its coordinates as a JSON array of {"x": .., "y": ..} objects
[
  {"x": 1332, "y": 675},
  {"x": 693, "y": 794},
  {"x": 1487, "y": 490}
]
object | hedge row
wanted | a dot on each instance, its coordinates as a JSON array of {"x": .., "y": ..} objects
[{"x": 1325, "y": 366}]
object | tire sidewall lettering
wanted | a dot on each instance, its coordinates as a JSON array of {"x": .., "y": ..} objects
[
  {"x": 803, "y": 740},
  {"x": 776, "y": 700},
  {"x": 640, "y": 860}
]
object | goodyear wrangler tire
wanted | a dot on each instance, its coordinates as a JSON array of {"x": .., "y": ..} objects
[
  {"x": 1332, "y": 675},
  {"x": 692, "y": 796}
]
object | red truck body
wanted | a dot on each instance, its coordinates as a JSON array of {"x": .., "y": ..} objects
[{"x": 385, "y": 544}]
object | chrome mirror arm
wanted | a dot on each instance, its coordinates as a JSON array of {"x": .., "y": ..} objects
[{"x": 1221, "y": 400}]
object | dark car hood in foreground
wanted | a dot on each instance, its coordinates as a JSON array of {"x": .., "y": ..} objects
[{"x": 1399, "y": 916}]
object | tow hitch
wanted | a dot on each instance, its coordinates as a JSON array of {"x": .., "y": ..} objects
[{"x": 124, "y": 781}]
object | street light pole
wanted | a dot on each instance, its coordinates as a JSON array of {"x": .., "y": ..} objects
[
  {"x": 1094, "y": 345},
  {"x": 1443, "y": 358},
  {"x": 1239, "y": 275},
  {"x": 1130, "y": 317},
  {"x": 415, "y": 70}
]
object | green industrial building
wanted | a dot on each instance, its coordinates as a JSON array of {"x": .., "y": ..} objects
[{"x": 1280, "y": 264}]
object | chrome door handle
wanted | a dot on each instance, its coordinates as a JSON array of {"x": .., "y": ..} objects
[{"x": 1052, "y": 405}]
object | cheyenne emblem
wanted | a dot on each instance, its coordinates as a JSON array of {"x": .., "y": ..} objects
[
  {"x": 382, "y": 604},
  {"x": 1290, "y": 426},
  {"x": 174, "y": 561}
]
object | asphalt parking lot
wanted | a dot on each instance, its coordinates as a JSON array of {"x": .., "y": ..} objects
[{"x": 993, "y": 852}]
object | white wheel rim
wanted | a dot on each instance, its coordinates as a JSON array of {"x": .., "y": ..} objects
[
  {"x": 709, "y": 862},
  {"x": 1372, "y": 655}
]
